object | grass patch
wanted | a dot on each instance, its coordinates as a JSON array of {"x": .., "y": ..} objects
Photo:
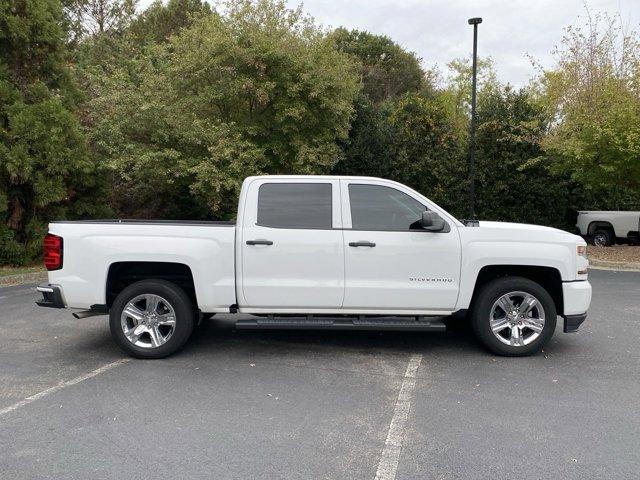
[{"x": 7, "y": 271}]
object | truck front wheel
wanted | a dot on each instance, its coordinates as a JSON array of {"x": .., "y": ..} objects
[
  {"x": 603, "y": 238},
  {"x": 151, "y": 319},
  {"x": 513, "y": 316}
]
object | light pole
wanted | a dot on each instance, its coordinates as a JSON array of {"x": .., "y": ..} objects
[{"x": 472, "y": 140}]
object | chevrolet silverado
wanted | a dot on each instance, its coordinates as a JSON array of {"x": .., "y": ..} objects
[{"x": 320, "y": 252}]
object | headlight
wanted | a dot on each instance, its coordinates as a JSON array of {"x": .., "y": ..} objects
[{"x": 581, "y": 250}]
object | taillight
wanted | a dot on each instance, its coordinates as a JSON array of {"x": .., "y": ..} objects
[{"x": 52, "y": 246}]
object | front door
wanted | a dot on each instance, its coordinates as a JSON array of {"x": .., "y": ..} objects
[
  {"x": 390, "y": 262},
  {"x": 292, "y": 249}
]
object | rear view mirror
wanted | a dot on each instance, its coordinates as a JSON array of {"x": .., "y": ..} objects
[{"x": 432, "y": 222}]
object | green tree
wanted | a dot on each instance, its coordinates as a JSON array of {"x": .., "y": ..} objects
[
  {"x": 159, "y": 21},
  {"x": 456, "y": 93},
  {"x": 513, "y": 181},
  {"x": 413, "y": 140},
  {"x": 593, "y": 95},
  {"x": 458, "y": 82},
  {"x": 87, "y": 18},
  {"x": 387, "y": 70},
  {"x": 258, "y": 89},
  {"x": 45, "y": 168},
  {"x": 428, "y": 154},
  {"x": 369, "y": 148}
]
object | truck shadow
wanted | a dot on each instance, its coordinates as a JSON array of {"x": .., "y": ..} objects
[
  {"x": 221, "y": 334},
  {"x": 219, "y": 337}
]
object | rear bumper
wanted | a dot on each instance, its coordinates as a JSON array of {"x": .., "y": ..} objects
[
  {"x": 51, "y": 296},
  {"x": 573, "y": 322}
]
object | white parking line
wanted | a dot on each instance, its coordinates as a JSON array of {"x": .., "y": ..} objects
[
  {"x": 388, "y": 463},
  {"x": 62, "y": 385}
]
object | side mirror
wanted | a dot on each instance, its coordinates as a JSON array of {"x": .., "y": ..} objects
[{"x": 432, "y": 222}]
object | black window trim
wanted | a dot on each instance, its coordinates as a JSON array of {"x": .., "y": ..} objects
[
  {"x": 264, "y": 225},
  {"x": 446, "y": 229}
]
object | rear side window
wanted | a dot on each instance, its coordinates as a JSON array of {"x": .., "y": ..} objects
[
  {"x": 295, "y": 205},
  {"x": 375, "y": 207}
]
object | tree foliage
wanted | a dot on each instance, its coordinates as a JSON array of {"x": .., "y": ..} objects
[
  {"x": 257, "y": 89},
  {"x": 161, "y": 20},
  {"x": 594, "y": 98},
  {"x": 45, "y": 164},
  {"x": 86, "y": 18},
  {"x": 514, "y": 182},
  {"x": 387, "y": 70},
  {"x": 163, "y": 113},
  {"x": 428, "y": 156}
]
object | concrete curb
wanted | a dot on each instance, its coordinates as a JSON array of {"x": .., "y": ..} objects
[
  {"x": 608, "y": 265},
  {"x": 31, "y": 277}
]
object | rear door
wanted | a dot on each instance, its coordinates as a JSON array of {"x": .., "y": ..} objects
[
  {"x": 292, "y": 249},
  {"x": 390, "y": 262}
]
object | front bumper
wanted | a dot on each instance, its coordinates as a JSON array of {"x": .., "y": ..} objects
[
  {"x": 51, "y": 296},
  {"x": 577, "y": 298}
]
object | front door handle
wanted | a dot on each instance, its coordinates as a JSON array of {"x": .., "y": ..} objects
[
  {"x": 362, "y": 244},
  {"x": 259, "y": 242}
]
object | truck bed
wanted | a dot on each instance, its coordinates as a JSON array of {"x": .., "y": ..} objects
[{"x": 93, "y": 247}]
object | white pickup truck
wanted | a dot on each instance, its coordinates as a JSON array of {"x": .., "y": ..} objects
[
  {"x": 320, "y": 252},
  {"x": 605, "y": 228}
]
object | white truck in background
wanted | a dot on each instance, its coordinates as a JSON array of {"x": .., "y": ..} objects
[
  {"x": 320, "y": 252},
  {"x": 606, "y": 228}
]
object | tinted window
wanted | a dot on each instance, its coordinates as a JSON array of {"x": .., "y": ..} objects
[
  {"x": 374, "y": 207},
  {"x": 295, "y": 205}
]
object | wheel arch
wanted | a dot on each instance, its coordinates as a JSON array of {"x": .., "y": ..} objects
[
  {"x": 122, "y": 274},
  {"x": 600, "y": 224},
  {"x": 547, "y": 277}
]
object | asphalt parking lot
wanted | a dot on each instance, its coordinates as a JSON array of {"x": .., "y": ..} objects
[{"x": 320, "y": 405}]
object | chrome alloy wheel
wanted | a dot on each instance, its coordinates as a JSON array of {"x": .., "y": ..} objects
[
  {"x": 517, "y": 318},
  {"x": 148, "y": 321}
]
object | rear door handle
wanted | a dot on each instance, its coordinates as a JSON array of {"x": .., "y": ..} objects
[
  {"x": 362, "y": 244},
  {"x": 259, "y": 242}
]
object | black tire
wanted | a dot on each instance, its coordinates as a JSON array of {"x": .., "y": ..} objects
[
  {"x": 481, "y": 315},
  {"x": 179, "y": 301},
  {"x": 602, "y": 237}
]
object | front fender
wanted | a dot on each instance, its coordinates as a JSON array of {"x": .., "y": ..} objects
[{"x": 480, "y": 254}]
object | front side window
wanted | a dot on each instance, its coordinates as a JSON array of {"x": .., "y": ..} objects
[
  {"x": 375, "y": 207},
  {"x": 295, "y": 205}
]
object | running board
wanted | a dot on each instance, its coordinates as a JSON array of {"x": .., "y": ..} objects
[{"x": 310, "y": 322}]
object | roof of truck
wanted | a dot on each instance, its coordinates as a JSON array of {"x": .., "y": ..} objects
[{"x": 328, "y": 177}]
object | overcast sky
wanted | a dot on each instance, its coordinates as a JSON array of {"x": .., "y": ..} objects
[{"x": 437, "y": 30}]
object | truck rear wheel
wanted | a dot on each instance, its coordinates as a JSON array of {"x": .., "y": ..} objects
[
  {"x": 151, "y": 319},
  {"x": 513, "y": 316}
]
